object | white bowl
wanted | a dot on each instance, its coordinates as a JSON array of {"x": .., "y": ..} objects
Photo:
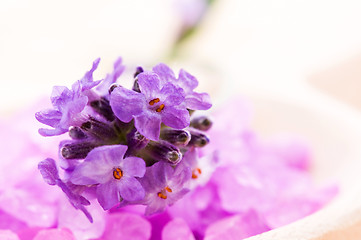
[{"x": 334, "y": 133}]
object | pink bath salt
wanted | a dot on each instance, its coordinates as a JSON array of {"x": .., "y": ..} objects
[
  {"x": 55, "y": 234},
  {"x": 236, "y": 227},
  {"x": 29, "y": 233},
  {"x": 293, "y": 151},
  {"x": 8, "y": 235},
  {"x": 177, "y": 229},
  {"x": 126, "y": 226}
]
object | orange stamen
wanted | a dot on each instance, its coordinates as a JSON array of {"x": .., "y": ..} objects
[
  {"x": 168, "y": 189},
  {"x": 161, "y": 107},
  {"x": 162, "y": 196},
  {"x": 154, "y": 101},
  {"x": 117, "y": 173},
  {"x": 196, "y": 172}
]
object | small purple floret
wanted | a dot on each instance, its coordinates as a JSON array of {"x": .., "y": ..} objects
[
  {"x": 115, "y": 175},
  {"x": 155, "y": 104},
  {"x": 187, "y": 82},
  {"x": 50, "y": 174},
  {"x": 67, "y": 105},
  {"x": 164, "y": 186},
  {"x": 111, "y": 78}
]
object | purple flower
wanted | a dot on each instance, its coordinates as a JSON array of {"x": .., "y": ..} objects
[
  {"x": 164, "y": 185},
  {"x": 87, "y": 82},
  {"x": 156, "y": 104},
  {"x": 187, "y": 82},
  {"x": 118, "y": 69},
  {"x": 50, "y": 175},
  {"x": 115, "y": 175},
  {"x": 68, "y": 105}
]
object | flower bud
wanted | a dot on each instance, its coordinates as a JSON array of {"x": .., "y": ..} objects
[
  {"x": 164, "y": 151},
  {"x": 176, "y": 137},
  {"x": 136, "y": 141},
  {"x": 112, "y": 87},
  {"x": 77, "y": 133},
  {"x": 102, "y": 131},
  {"x": 102, "y": 107},
  {"x": 76, "y": 150},
  {"x": 202, "y": 123},
  {"x": 198, "y": 139}
]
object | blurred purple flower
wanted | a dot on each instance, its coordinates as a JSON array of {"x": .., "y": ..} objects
[{"x": 164, "y": 185}]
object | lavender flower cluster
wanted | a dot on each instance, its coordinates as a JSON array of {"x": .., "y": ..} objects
[{"x": 135, "y": 146}]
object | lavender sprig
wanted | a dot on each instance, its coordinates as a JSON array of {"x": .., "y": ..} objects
[{"x": 125, "y": 145}]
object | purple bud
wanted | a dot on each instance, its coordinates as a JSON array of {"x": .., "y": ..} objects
[
  {"x": 136, "y": 141},
  {"x": 76, "y": 149},
  {"x": 198, "y": 139},
  {"x": 99, "y": 130},
  {"x": 176, "y": 137},
  {"x": 77, "y": 133},
  {"x": 112, "y": 87},
  {"x": 138, "y": 71},
  {"x": 102, "y": 107},
  {"x": 164, "y": 151},
  {"x": 202, "y": 123}
]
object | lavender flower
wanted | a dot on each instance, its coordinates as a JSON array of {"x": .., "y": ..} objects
[
  {"x": 111, "y": 78},
  {"x": 50, "y": 175},
  {"x": 68, "y": 105},
  {"x": 186, "y": 82},
  {"x": 115, "y": 175},
  {"x": 164, "y": 185},
  {"x": 156, "y": 103},
  {"x": 115, "y": 154}
]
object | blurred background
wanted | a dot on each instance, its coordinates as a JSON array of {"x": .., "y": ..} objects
[
  {"x": 298, "y": 62},
  {"x": 277, "y": 47}
]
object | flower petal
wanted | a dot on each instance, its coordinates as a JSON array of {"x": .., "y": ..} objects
[
  {"x": 198, "y": 101},
  {"x": 174, "y": 117},
  {"x": 111, "y": 78},
  {"x": 164, "y": 72},
  {"x": 51, "y": 132},
  {"x": 108, "y": 195},
  {"x": 155, "y": 177},
  {"x": 148, "y": 124},
  {"x": 98, "y": 165},
  {"x": 49, "y": 117},
  {"x": 134, "y": 166},
  {"x": 49, "y": 171},
  {"x": 130, "y": 189},
  {"x": 187, "y": 81},
  {"x": 149, "y": 84},
  {"x": 126, "y": 103},
  {"x": 172, "y": 95}
]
